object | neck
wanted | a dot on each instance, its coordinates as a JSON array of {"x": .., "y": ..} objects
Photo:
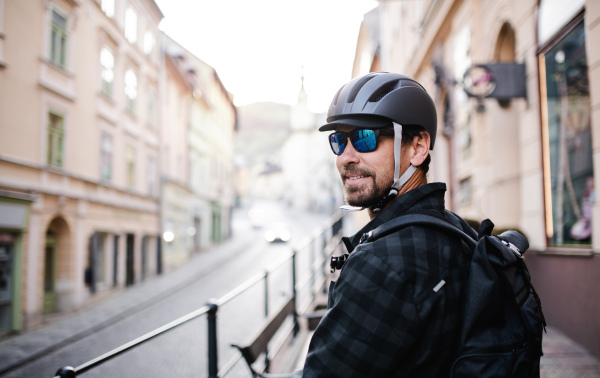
[{"x": 419, "y": 178}]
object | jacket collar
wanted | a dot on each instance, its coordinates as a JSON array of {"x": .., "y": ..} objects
[{"x": 425, "y": 197}]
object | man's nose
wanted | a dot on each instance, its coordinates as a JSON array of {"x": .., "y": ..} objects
[{"x": 350, "y": 155}]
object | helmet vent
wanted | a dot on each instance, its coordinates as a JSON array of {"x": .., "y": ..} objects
[
  {"x": 337, "y": 95},
  {"x": 357, "y": 87},
  {"x": 381, "y": 93}
]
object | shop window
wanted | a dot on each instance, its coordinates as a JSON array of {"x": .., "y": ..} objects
[
  {"x": 58, "y": 38},
  {"x": 107, "y": 61},
  {"x": 569, "y": 172},
  {"x": 56, "y": 140}
]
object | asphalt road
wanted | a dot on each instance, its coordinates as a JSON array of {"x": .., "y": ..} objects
[{"x": 182, "y": 352}]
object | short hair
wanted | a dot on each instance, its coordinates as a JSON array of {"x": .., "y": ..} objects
[{"x": 409, "y": 132}]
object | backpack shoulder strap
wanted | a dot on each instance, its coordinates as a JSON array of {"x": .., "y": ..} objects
[{"x": 419, "y": 219}]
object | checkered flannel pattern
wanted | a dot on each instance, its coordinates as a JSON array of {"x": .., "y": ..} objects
[{"x": 385, "y": 319}]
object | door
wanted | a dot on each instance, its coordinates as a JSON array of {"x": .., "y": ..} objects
[
  {"x": 129, "y": 264},
  {"x": 6, "y": 280},
  {"x": 115, "y": 271},
  {"x": 50, "y": 252}
]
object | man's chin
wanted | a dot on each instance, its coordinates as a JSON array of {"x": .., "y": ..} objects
[{"x": 359, "y": 201}]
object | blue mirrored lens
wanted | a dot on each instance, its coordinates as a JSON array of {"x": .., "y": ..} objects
[
  {"x": 338, "y": 143},
  {"x": 363, "y": 140}
]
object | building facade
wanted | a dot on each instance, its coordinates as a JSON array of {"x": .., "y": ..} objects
[
  {"x": 87, "y": 149},
  {"x": 197, "y": 188},
  {"x": 517, "y": 89}
]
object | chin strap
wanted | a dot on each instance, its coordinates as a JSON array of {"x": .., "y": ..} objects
[{"x": 392, "y": 191}]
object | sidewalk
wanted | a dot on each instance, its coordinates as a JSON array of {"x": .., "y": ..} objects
[
  {"x": 563, "y": 358},
  {"x": 20, "y": 349}
]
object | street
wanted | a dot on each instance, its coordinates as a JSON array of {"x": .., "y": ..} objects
[{"x": 182, "y": 351}]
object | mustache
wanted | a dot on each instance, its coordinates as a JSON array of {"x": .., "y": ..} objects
[{"x": 355, "y": 171}]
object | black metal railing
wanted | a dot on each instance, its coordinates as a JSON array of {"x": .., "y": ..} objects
[{"x": 321, "y": 244}]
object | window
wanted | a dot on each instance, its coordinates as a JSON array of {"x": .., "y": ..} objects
[
  {"x": 151, "y": 175},
  {"x": 106, "y": 156},
  {"x": 107, "y": 61},
  {"x": 131, "y": 25},
  {"x": 108, "y": 7},
  {"x": 58, "y": 39},
  {"x": 569, "y": 176},
  {"x": 151, "y": 99},
  {"x": 130, "y": 90},
  {"x": 130, "y": 167},
  {"x": 56, "y": 140},
  {"x": 465, "y": 191},
  {"x": 148, "y": 43}
]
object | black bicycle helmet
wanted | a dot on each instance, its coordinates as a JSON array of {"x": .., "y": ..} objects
[
  {"x": 375, "y": 99},
  {"x": 383, "y": 99}
]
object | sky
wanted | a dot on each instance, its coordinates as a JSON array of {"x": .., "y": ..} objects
[{"x": 261, "y": 48}]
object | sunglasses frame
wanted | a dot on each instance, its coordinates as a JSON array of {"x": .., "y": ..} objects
[{"x": 347, "y": 135}]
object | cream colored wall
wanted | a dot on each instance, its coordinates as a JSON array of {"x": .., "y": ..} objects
[
  {"x": 30, "y": 86},
  {"x": 507, "y": 167}
]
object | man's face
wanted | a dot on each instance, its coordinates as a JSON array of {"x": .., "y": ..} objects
[{"x": 366, "y": 175}]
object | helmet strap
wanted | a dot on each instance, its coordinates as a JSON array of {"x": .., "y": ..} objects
[{"x": 392, "y": 192}]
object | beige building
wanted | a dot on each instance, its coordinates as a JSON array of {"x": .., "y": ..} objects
[
  {"x": 522, "y": 147},
  {"x": 199, "y": 122},
  {"x": 96, "y": 124}
]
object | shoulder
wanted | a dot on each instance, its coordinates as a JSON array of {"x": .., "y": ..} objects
[{"x": 414, "y": 254}]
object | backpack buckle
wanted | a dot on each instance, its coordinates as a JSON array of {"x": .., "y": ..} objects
[
  {"x": 337, "y": 262},
  {"x": 513, "y": 248}
]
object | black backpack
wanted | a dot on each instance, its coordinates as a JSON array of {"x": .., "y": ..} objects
[{"x": 502, "y": 320}]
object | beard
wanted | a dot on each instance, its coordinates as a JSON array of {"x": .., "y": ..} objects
[{"x": 367, "y": 194}]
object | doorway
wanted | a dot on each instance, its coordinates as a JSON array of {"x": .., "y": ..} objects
[
  {"x": 50, "y": 252},
  {"x": 7, "y": 248},
  {"x": 129, "y": 264}
]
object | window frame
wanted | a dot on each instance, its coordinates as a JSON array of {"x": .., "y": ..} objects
[
  {"x": 106, "y": 87},
  {"x": 542, "y": 53},
  {"x": 106, "y": 140},
  {"x": 55, "y": 140},
  {"x": 130, "y": 154},
  {"x": 131, "y": 91},
  {"x": 56, "y": 30}
]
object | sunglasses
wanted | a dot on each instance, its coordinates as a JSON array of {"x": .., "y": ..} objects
[{"x": 363, "y": 140}]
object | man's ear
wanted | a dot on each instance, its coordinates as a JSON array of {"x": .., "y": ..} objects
[{"x": 420, "y": 145}]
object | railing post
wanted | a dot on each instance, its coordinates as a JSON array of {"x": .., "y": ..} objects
[
  {"x": 295, "y": 315},
  {"x": 311, "y": 269},
  {"x": 66, "y": 372},
  {"x": 213, "y": 361},
  {"x": 266, "y": 294}
]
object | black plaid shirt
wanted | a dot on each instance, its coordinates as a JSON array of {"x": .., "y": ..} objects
[{"x": 385, "y": 318}]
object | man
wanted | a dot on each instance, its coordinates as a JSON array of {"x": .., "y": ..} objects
[{"x": 394, "y": 311}]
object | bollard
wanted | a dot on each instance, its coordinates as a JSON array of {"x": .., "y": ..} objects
[
  {"x": 66, "y": 372},
  {"x": 213, "y": 361}
]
